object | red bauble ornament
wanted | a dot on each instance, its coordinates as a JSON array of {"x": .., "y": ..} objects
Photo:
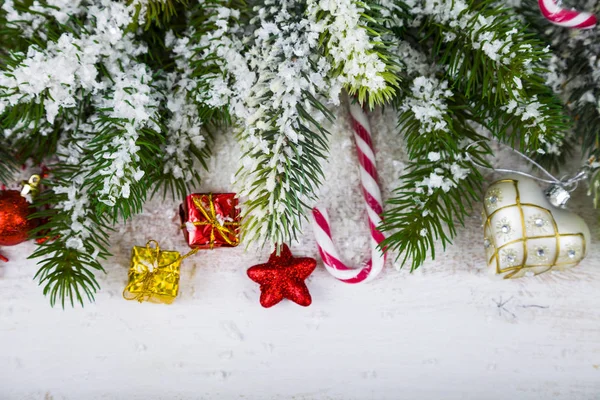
[
  {"x": 283, "y": 277},
  {"x": 14, "y": 222}
]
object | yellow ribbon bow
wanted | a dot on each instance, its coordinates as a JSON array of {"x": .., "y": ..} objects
[{"x": 215, "y": 224}]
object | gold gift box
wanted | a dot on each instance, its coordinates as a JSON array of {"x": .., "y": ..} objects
[{"x": 153, "y": 275}]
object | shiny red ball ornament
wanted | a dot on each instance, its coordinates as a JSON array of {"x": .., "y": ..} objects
[
  {"x": 283, "y": 277},
  {"x": 14, "y": 222}
]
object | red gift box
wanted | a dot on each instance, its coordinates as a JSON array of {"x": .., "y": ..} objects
[{"x": 210, "y": 220}]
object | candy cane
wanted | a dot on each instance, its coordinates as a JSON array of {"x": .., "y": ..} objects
[
  {"x": 374, "y": 205},
  {"x": 567, "y": 18}
]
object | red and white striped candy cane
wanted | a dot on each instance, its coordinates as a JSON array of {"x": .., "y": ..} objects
[
  {"x": 374, "y": 205},
  {"x": 564, "y": 17}
]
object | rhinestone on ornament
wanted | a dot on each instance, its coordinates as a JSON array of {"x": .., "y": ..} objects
[
  {"x": 572, "y": 252},
  {"x": 509, "y": 256},
  {"x": 494, "y": 196},
  {"x": 537, "y": 224},
  {"x": 503, "y": 228},
  {"x": 541, "y": 253},
  {"x": 487, "y": 243}
]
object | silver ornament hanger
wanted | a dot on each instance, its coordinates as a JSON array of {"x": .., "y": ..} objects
[{"x": 558, "y": 192}]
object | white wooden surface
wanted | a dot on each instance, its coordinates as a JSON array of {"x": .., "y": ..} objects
[{"x": 444, "y": 332}]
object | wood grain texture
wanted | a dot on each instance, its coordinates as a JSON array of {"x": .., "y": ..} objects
[{"x": 446, "y": 331}]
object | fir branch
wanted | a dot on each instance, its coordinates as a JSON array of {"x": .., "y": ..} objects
[
  {"x": 187, "y": 119},
  {"x": 493, "y": 61},
  {"x": 280, "y": 180},
  {"x": 68, "y": 266},
  {"x": 75, "y": 236},
  {"x": 283, "y": 138},
  {"x": 594, "y": 180},
  {"x": 127, "y": 137},
  {"x": 186, "y": 141},
  {"x": 24, "y": 23},
  {"x": 483, "y": 45},
  {"x": 8, "y": 166},
  {"x": 272, "y": 83},
  {"x": 442, "y": 181},
  {"x": 574, "y": 75},
  {"x": 352, "y": 35},
  {"x": 417, "y": 220},
  {"x": 535, "y": 123},
  {"x": 156, "y": 12}
]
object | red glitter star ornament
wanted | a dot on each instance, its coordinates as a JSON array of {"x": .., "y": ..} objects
[{"x": 283, "y": 277}]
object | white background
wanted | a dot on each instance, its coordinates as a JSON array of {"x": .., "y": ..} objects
[{"x": 446, "y": 331}]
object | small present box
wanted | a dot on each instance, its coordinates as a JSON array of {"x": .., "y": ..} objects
[
  {"x": 153, "y": 275},
  {"x": 210, "y": 220}
]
